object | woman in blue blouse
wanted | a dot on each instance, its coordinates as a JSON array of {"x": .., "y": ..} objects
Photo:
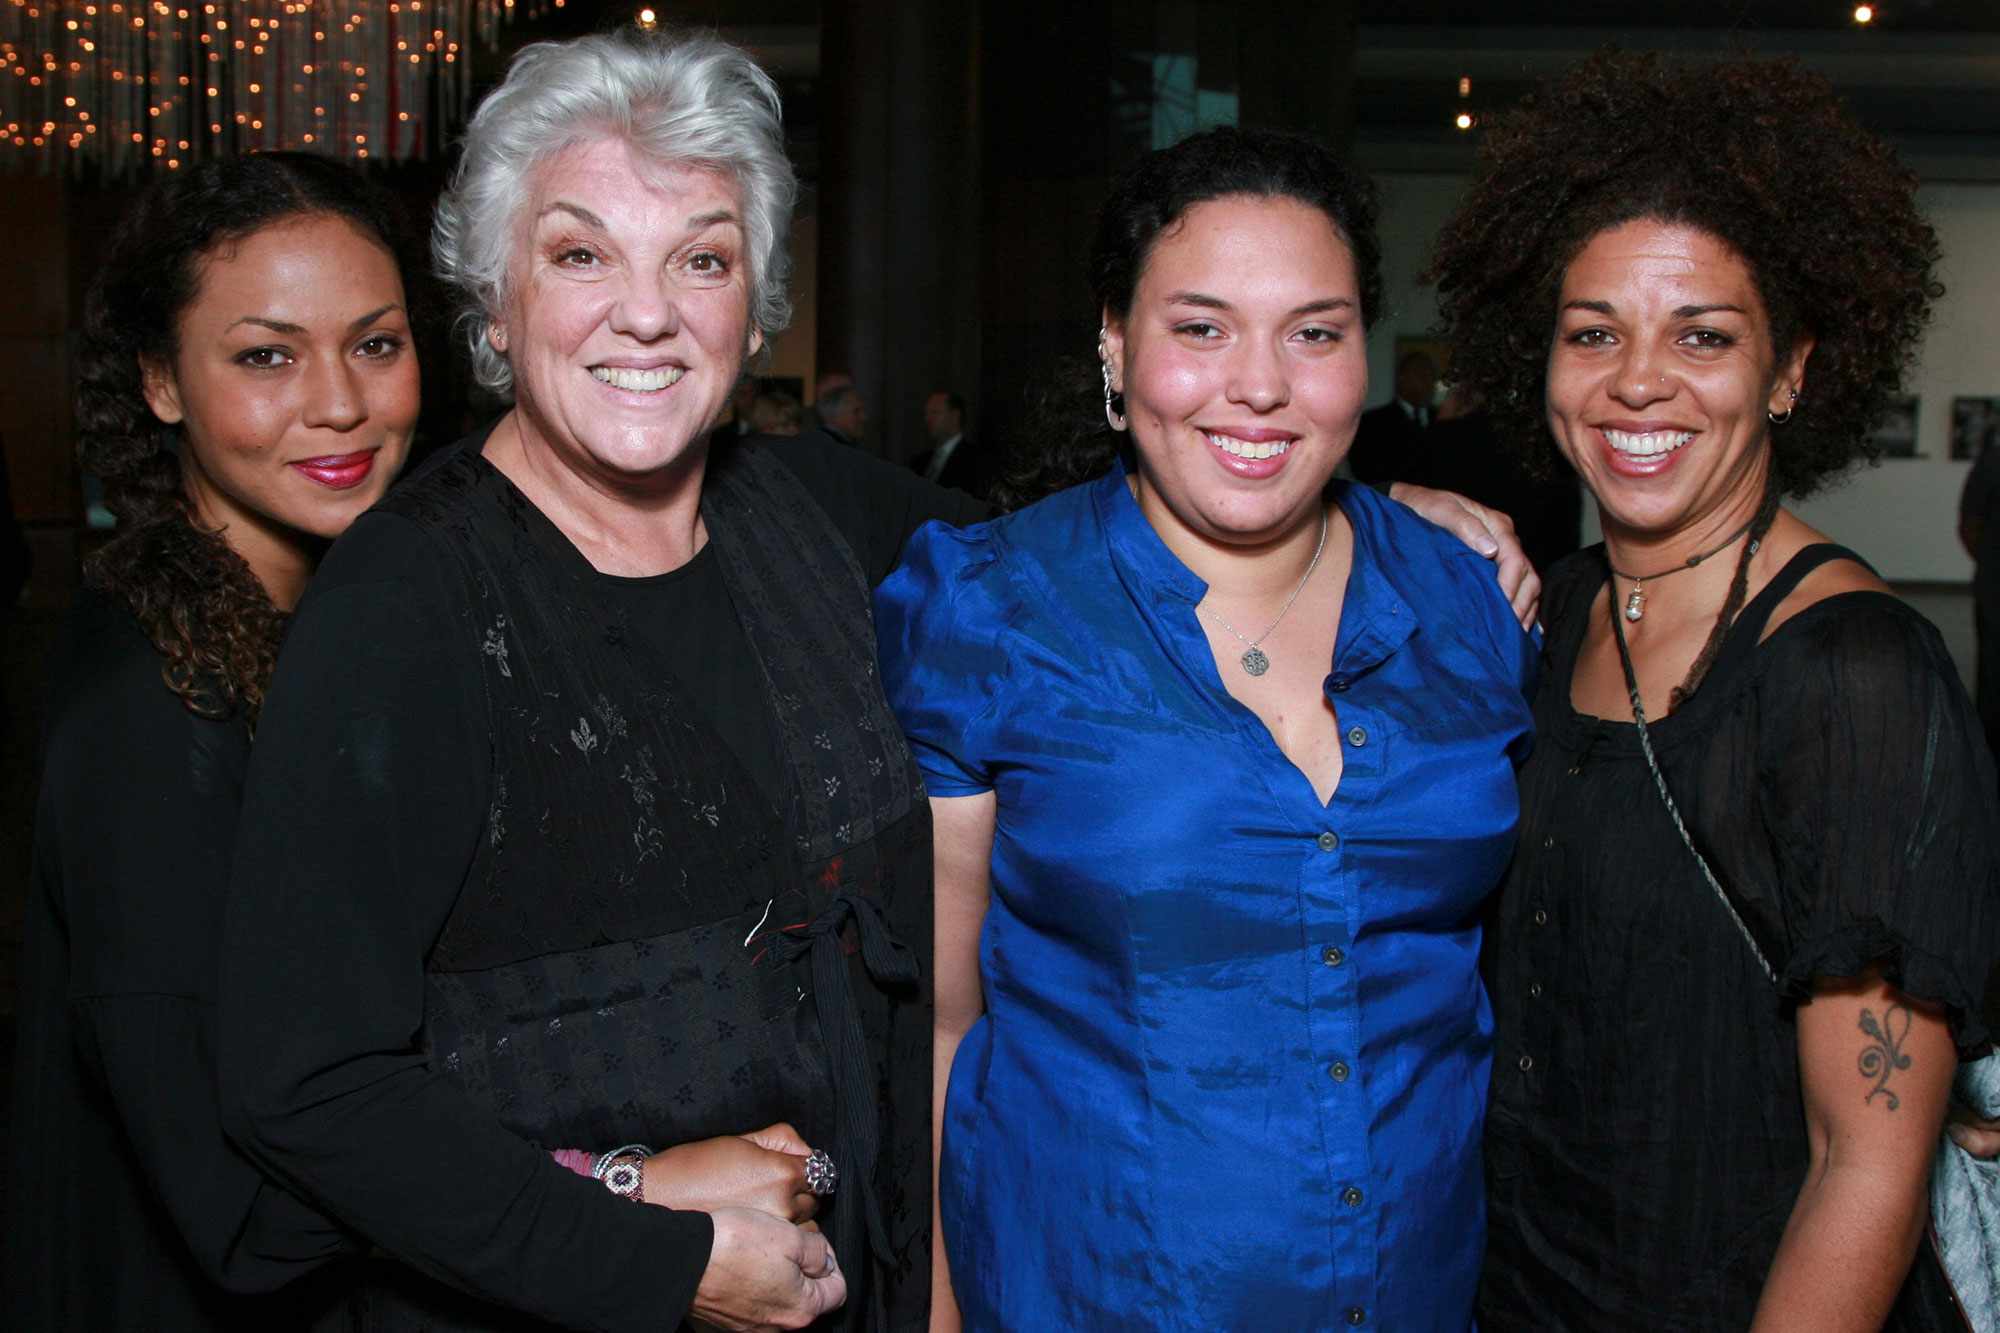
[{"x": 1221, "y": 758}]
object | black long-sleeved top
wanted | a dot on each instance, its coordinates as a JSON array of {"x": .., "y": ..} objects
[
  {"x": 368, "y": 919},
  {"x": 127, "y": 1206}
]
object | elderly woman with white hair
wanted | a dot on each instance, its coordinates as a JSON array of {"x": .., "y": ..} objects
[{"x": 578, "y": 831}]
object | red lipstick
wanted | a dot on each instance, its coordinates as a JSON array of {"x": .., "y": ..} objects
[{"x": 338, "y": 472}]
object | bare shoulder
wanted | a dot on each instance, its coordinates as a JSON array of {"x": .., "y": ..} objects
[{"x": 1832, "y": 579}]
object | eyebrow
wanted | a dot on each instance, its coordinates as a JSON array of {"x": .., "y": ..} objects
[
  {"x": 577, "y": 211},
  {"x": 700, "y": 220},
  {"x": 590, "y": 219},
  {"x": 281, "y": 326},
  {"x": 1208, "y": 302},
  {"x": 1681, "y": 312}
]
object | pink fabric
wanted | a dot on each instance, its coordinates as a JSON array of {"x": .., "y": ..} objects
[{"x": 575, "y": 1159}]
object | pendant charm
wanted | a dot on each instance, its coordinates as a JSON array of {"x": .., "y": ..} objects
[
  {"x": 1635, "y": 605},
  {"x": 1254, "y": 661}
]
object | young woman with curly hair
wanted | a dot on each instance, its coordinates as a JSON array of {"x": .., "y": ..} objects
[
  {"x": 1753, "y": 916},
  {"x": 248, "y": 386}
]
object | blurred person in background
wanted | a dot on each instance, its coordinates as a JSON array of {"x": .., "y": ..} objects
[
  {"x": 1979, "y": 534},
  {"x": 776, "y": 413},
  {"x": 842, "y": 414},
  {"x": 1390, "y": 436},
  {"x": 952, "y": 460}
]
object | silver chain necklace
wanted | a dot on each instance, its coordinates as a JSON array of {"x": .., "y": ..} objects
[{"x": 1254, "y": 661}]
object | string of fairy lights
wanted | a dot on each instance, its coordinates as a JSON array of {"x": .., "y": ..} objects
[{"x": 130, "y": 85}]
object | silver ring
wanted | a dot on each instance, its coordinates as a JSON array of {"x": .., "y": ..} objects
[{"x": 822, "y": 1176}]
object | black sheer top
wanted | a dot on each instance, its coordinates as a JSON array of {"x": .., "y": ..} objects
[{"x": 1646, "y": 1138}]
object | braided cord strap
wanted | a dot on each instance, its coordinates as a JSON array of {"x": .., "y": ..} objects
[{"x": 1673, "y": 810}]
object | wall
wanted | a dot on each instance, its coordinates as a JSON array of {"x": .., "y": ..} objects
[
  {"x": 1902, "y": 515},
  {"x": 35, "y": 408}
]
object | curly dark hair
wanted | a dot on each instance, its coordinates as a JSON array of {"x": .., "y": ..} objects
[
  {"x": 1070, "y": 441},
  {"x": 1759, "y": 154},
  {"x": 195, "y": 597}
]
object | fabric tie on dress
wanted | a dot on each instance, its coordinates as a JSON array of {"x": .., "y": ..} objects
[{"x": 890, "y": 962}]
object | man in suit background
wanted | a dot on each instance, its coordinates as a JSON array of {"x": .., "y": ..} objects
[
  {"x": 952, "y": 460},
  {"x": 841, "y": 413},
  {"x": 1391, "y": 436}
]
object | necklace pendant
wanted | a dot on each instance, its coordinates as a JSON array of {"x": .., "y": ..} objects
[
  {"x": 1254, "y": 661},
  {"x": 1635, "y": 605}
]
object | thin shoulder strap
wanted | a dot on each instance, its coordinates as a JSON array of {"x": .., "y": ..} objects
[{"x": 1749, "y": 627}]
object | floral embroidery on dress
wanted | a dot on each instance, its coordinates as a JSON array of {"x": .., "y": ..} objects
[
  {"x": 495, "y": 646},
  {"x": 496, "y": 814},
  {"x": 640, "y": 777},
  {"x": 613, "y": 720},
  {"x": 648, "y": 837},
  {"x": 582, "y": 736}
]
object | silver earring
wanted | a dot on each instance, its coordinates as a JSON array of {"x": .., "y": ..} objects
[
  {"x": 1114, "y": 401},
  {"x": 1780, "y": 418}
]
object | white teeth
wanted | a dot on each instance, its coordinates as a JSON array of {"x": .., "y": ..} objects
[
  {"x": 1229, "y": 444},
  {"x": 641, "y": 381},
  {"x": 1648, "y": 445}
]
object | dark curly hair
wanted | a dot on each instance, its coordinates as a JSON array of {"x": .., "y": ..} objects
[
  {"x": 1070, "y": 441},
  {"x": 1759, "y": 154},
  {"x": 194, "y": 596}
]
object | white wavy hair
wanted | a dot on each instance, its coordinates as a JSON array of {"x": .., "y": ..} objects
[{"x": 682, "y": 100}]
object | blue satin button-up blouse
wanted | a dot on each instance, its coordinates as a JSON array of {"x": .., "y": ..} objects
[{"x": 1234, "y": 1058}]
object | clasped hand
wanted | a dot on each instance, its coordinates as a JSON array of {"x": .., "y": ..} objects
[
  {"x": 764, "y": 1170},
  {"x": 769, "y": 1268}
]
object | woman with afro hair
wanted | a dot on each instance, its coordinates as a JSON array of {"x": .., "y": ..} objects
[{"x": 1752, "y": 916}]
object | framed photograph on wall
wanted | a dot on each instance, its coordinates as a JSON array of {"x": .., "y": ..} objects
[
  {"x": 1975, "y": 425},
  {"x": 1896, "y": 435}
]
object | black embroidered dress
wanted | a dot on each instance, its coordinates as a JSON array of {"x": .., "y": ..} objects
[
  {"x": 535, "y": 857},
  {"x": 1646, "y": 1137}
]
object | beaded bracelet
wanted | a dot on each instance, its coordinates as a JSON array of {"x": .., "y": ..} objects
[{"x": 623, "y": 1171}]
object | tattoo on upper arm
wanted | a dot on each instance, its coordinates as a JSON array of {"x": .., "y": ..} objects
[{"x": 1883, "y": 1055}]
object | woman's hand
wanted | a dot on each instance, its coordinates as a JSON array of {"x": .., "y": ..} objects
[
  {"x": 764, "y": 1170},
  {"x": 1487, "y": 531},
  {"x": 764, "y": 1274}
]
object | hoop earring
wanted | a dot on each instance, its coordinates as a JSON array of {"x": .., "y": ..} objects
[
  {"x": 1114, "y": 402},
  {"x": 1780, "y": 418}
]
